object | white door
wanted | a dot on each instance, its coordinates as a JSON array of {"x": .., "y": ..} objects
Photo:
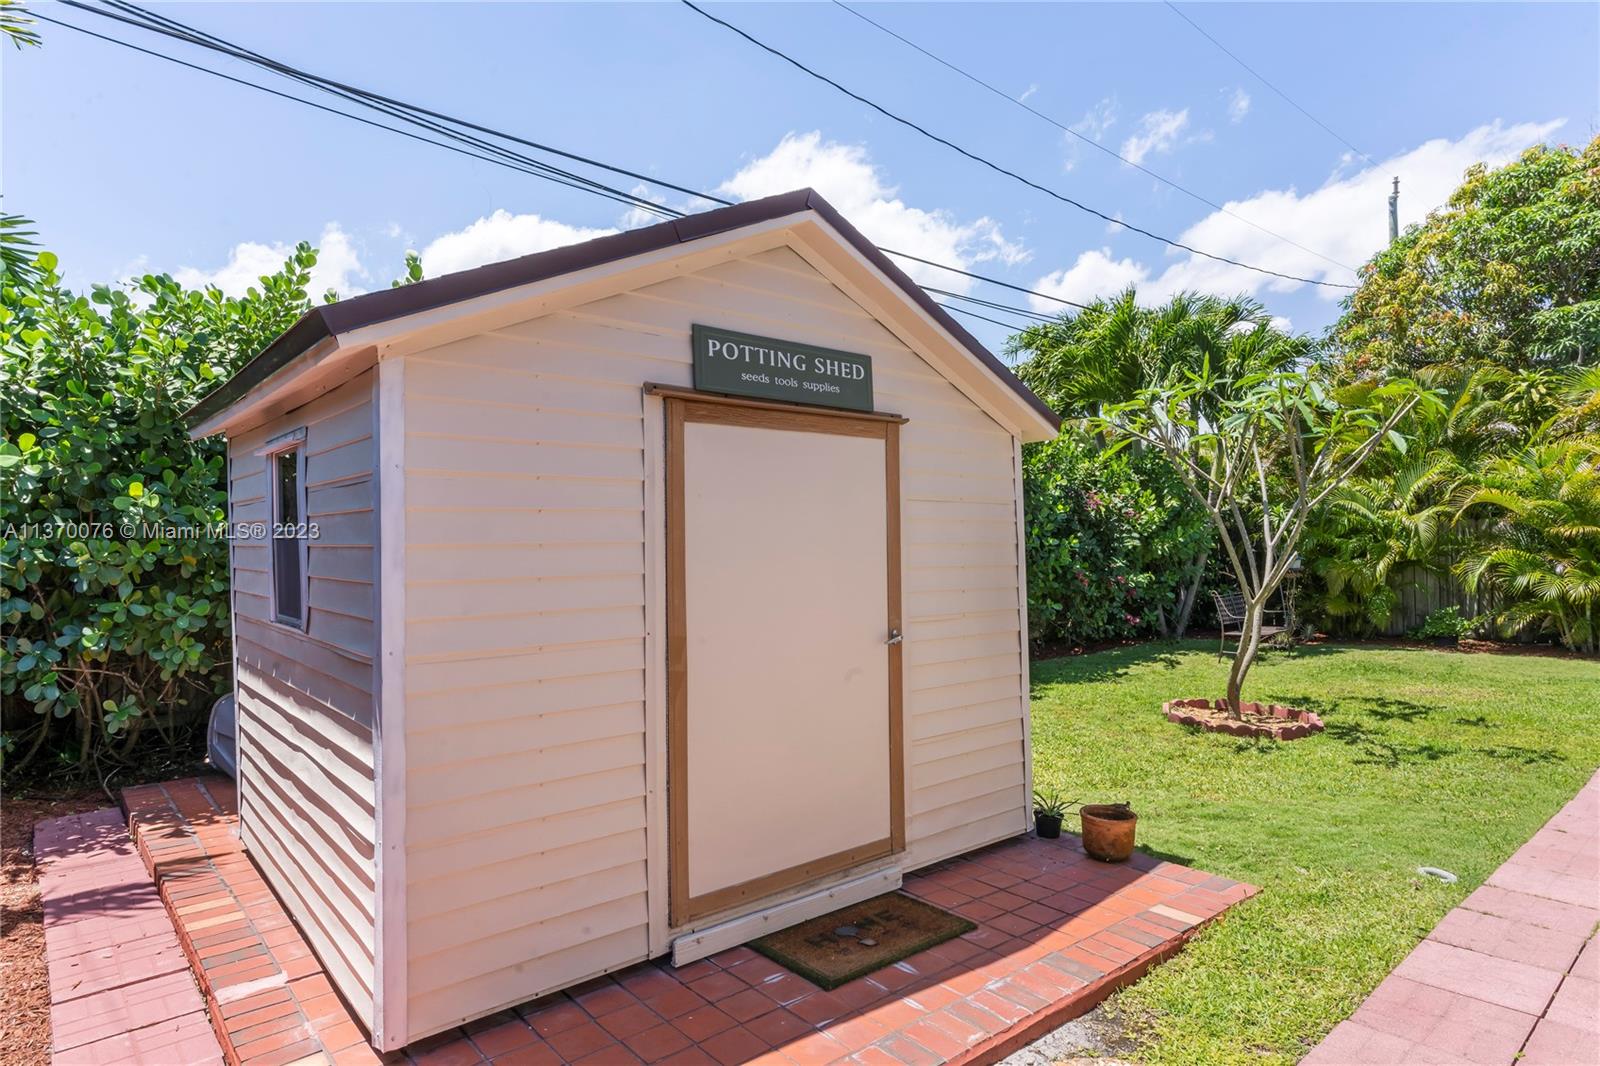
[{"x": 785, "y": 692}]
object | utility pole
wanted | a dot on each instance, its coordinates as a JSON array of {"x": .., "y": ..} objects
[{"x": 1394, "y": 212}]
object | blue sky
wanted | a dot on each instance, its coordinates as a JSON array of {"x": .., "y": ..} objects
[{"x": 130, "y": 164}]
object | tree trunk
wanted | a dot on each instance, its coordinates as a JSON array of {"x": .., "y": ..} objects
[
  {"x": 1249, "y": 644},
  {"x": 1190, "y": 595}
]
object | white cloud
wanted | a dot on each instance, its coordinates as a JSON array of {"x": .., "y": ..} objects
[
  {"x": 1282, "y": 324},
  {"x": 1345, "y": 219},
  {"x": 1158, "y": 132},
  {"x": 1096, "y": 273},
  {"x": 1098, "y": 119},
  {"x": 1238, "y": 105},
  {"x": 846, "y": 176},
  {"x": 1029, "y": 91},
  {"x": 338, "y": 266},
  {"x": 500, "y": 236}
]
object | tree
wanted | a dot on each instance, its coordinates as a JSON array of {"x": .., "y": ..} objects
[
  {"x": 1277, "y": 444},
  {"x": 1114, "y": 348},
  {"x": 1507, "y": 273},
  {"x": 16, "y": 25},
  {"x": 1543, "y": 550}
]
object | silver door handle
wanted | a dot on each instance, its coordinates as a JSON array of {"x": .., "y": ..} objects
[{"x": 895, "y": 637}]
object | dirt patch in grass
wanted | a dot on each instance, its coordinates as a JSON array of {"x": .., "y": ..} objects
[{"x": 24, "y": 981}]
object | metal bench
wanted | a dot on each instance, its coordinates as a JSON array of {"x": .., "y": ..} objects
[{"x": 1231, "y": 613}]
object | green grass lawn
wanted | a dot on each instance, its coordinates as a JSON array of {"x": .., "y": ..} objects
[{"x": 1430, "y": 758}]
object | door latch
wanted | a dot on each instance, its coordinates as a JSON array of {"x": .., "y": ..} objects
[{"x": 894, "y": 637}]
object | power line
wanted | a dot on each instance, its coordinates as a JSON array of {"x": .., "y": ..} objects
[
  {"x": 985, "y": 318},
  {"x": 331, "y": 110},
  {"x": 1090, "y": 141},
  {"x": 1263, "y": 80},
  {"x": 329, "y": 83},
  {"x": 980, "y": 277},
  {"x": 218, "y": 44},
  {"x": 996, "y": 167},
  {"x": 993, "y": 306},
  {"x": 512, "y": 160},
  {"x": 199, "y": 37}
]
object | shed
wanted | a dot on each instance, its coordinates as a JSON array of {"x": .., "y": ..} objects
[{"x": 631, "y": 598}]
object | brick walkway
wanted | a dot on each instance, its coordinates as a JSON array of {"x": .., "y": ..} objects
[
  {"x": 269, "y": 1000},
  {"x": 1514, "y": 970},
  {"x": 1057, "y": 933},
  {"x": 120, "y": 987}
]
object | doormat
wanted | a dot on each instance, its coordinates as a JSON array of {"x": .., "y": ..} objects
[{"x": 856, "y": 940}]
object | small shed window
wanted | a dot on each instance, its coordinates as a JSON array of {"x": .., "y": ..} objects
[{"x": 288, "y": 536}]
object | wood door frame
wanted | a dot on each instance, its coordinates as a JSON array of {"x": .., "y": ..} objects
[{"x": 684, "y": 406}]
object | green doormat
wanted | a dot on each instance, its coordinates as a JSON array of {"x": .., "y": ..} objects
[{"x": 856, "y": 940}]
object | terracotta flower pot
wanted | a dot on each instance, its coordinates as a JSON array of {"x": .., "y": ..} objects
[{"x": 1108, "y": 830}]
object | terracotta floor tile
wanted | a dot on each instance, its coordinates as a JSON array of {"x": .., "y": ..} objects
[
  {"x": 629, "y": 1020},
  {"x": 779, "y": 1027},
  {"x": 705, "y": 1022},
  {"x": 719, "y": 985},
  {"x": 540, "y": 1054},
  {"x": 678, "y": 1001},
  {"x": 657, "y": 1043},
  {"x": 747, "y": 1004},
  {"x": 580, "y": 1040},
  {"x": 734, "y": 1046},
  {"x": 507, "y": 1036},
  {"x": 604, "y": 998}
]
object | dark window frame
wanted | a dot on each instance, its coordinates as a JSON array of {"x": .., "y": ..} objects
[{"x": 297, "y": 620}]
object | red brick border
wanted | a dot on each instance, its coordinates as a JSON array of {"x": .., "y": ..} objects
[
  {"x": 269, "y": 1000},
  {"x": 1057, "y": 932}
]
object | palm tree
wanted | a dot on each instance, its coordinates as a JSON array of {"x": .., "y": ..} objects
[
  {"x": 1543, "y": 551},
  {"x": 1378, "y": 527},
  {"x": 16, "y": 25},
  {"x": 1113, "y": 348}
]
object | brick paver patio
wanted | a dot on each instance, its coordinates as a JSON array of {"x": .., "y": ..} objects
[
  {"x": 1057, "y": 932},
  {"x": 1514, "y": 971},
  {"x": 120, "y": 987}
]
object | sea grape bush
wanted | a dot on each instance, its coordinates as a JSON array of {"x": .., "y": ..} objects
[
  {"x": 113, "y": 572},
  {"x": 1112, "y": 542}
]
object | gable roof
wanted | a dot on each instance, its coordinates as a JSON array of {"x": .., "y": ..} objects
[{"x": 328, "y": 321}]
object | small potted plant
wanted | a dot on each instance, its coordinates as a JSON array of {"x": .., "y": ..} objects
[
  {"x": 1108, "y": 830},
  {"x": 1048, "y": 810}
]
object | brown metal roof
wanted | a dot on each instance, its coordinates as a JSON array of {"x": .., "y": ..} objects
[{"x": 329, "y": 320}]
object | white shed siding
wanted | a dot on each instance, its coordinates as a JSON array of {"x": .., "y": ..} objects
[
  {"x": 525, "y": 635},
  {"x": 306, "y": 698}
]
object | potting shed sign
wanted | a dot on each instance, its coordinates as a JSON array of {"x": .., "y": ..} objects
[{"x": 742, "y": 364}]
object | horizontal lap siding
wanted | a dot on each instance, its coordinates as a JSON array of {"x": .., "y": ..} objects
[
  {"x": 525, "y": 786},
  {"x": 525, "y": 584},
  {"x": 306, "y": 698}
]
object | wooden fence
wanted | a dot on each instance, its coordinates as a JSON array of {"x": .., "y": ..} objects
[{"x": 1423, "y": 591}]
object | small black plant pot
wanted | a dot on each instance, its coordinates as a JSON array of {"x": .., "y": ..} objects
[{"x": 1048, "y": 826}]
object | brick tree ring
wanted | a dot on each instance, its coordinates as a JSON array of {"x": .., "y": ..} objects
[{"x": 1254, "y": 719}]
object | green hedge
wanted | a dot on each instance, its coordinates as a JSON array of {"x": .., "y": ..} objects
[
  {"x": 114, "y": 571},
  {"x": 1113, "y": 542}
]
